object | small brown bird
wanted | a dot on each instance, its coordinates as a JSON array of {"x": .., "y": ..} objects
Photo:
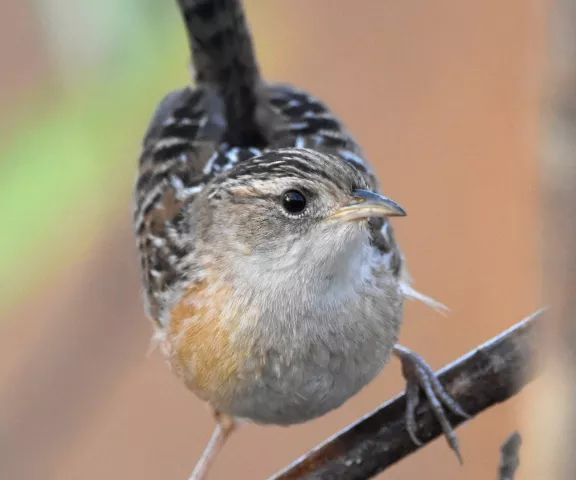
[{"x": 269, "y": 263}]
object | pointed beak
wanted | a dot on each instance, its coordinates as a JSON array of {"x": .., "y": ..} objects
[{"x": 368, "y": 204}]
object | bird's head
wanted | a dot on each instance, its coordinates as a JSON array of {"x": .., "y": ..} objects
[{"x": 289, "y": 209}]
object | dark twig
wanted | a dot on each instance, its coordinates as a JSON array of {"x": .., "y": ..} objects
[
  {"x": 490, "y": 374},
  {"x": 510, "y": 457}
]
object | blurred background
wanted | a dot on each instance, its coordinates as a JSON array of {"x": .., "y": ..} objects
[{"x": 443, "y": 96}]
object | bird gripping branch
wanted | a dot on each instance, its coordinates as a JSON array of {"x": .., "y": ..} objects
[{"x": 269, "y": 263}]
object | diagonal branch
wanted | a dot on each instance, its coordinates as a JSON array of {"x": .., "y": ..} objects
[{"x": 490, "y": 374}]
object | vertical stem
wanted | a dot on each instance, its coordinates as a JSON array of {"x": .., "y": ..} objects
[{"x": 552, "y": 413}]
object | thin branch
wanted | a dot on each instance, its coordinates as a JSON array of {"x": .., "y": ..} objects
[
  {"x": 490, "y": 374},
  {"x": 510, "y": 457}
]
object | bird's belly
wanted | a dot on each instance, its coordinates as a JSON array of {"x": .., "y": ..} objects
[
  {"x": 290, "y": 382},
  {"x": 284, "y": 371},
  {"x": 297, "y": 381},
  {"x": 286, "y": 394}
]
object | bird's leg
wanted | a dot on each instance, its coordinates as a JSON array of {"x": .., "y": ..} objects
[
  {"x": 224, "y": 428},
  {"x": 419, "y": 375}
]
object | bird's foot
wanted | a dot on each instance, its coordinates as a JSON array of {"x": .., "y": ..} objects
[{"x": 419, "y": 375}]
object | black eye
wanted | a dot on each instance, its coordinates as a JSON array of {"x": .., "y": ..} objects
[{"x": 293, "y": 201}]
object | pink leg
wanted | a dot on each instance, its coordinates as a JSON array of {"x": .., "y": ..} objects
[{"x": 224, "y": 428}]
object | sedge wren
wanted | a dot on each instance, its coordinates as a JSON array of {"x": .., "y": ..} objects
[{"x": 269, "y": 264}]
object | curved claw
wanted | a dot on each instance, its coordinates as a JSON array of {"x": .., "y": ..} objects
[
  {"x": 412, "y": 401},
  {"x": 419, "y": 375}
]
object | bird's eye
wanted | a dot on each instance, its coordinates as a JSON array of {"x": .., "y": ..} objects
[{"x": 293, "y": 201}]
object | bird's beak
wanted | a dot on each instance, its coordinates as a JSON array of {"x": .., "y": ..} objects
[{"x": 368, "y": 204}]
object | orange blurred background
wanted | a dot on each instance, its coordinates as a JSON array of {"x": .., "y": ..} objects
[{"x": 443, "y": 96}]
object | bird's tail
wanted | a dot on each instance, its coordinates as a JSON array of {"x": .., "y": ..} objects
[{"x": 223, "y": 58}]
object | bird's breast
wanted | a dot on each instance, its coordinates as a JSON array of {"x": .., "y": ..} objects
[
  {"x": 202, "y": 345},
  {"x": 276, "y": 364}
]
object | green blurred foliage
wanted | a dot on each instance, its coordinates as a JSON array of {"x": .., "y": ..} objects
[{"x": 70, "y": 160}]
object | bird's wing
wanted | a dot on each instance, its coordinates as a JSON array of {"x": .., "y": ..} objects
[{"x": 183, "y": 150}]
